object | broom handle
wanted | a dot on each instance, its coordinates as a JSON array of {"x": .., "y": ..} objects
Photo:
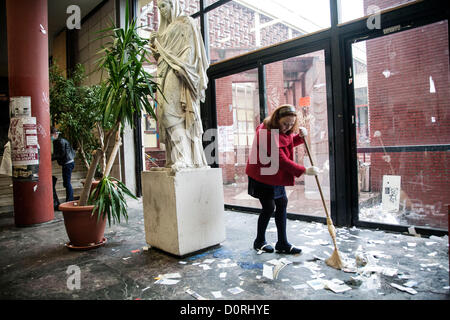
[{"x": 317, "y": 179}]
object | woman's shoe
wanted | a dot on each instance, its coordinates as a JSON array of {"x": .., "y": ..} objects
[
  {"x": 287, "y": 249},
  {"x": 263, "y": 247}
]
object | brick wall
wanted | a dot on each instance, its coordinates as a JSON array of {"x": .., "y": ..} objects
[{"x": 403, "y": 111}]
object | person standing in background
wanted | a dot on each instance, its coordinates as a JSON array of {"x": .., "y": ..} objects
[{"x": 64, "y": 154}]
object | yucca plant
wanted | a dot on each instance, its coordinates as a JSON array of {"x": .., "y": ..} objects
[
  {"x": 127, "y": 92},
  {"x": 109, "y": 199}
]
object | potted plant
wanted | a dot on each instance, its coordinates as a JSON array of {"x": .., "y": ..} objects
[
  {"x": 125, "y": 93},
  {"x": 73, "y": 107}
]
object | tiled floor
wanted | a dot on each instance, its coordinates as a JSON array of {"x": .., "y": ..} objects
[{"x": 35, "y": 264}]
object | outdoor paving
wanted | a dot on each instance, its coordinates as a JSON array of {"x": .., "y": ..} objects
[{"x": 35, "y": 264}]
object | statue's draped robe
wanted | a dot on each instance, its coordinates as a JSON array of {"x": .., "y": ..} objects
[{"x": 182, "y": 65}]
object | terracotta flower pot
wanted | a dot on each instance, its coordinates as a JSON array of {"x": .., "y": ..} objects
[{"x": 82, "y": 228}]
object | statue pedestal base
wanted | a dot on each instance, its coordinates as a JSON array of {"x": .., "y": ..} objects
[{"x": 183, "y": 213}]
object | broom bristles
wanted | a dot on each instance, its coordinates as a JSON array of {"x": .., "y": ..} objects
[{"x": 335, "y": 261}]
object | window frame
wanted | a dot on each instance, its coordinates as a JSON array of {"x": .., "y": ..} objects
[{"x": 336, "y": 41}]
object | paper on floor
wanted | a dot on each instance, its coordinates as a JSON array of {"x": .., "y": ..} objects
[
  {"x": 399, "y": 287},
  {"x": 194, "y": 294},
  {"x": 167, "y": 281},
  {"x": 336, "y": 287},
  {"x": 235, "y": 290},
  {"x": 316, "y": 284}
]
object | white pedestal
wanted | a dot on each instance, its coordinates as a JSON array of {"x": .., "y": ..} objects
[{"x": 183, "y": 213}]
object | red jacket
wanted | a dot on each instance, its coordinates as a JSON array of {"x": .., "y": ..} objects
[{"x": 281, "y": 169}]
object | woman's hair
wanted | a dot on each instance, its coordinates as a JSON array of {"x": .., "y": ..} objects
[{"x": 285, "y": 110}]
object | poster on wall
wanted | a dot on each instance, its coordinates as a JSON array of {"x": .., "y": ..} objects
[
  {"x": 24, "y": 149},
  {"x": 390, "y": 197},
  {"x": 226, "y": 138}
]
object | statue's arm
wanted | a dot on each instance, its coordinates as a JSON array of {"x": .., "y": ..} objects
[{"x": 153, "y": 48}]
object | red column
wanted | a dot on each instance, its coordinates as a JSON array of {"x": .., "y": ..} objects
[{"x": 28, "y": 76}]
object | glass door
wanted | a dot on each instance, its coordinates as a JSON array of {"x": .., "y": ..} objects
[
  {"x": 237, "y": 105},
  {"x": 401, "y": 92},
  {"x": 301, "y": 82}
]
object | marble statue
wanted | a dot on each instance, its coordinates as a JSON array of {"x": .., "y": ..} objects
[{"x": 181, "y": 68}]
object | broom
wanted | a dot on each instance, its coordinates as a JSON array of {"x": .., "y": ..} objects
[{"x": 335, "y": 260}]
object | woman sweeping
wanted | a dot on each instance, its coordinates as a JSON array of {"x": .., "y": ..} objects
[{"x": 270, "y": 168}]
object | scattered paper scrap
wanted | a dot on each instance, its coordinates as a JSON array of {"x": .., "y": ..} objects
[
  {"x": 235, "y": 290},
  {"x": 376, "y": 241},
  {"x": 336, "y": 287},
  {"x": 390, "y": 272},
  {"x": 316, "y": 284},
  {"x": 170, "y": 275},
  {"x": 227, "y": 265},
  {"x": 373, "y": 282},
  {"x": 410, "y": 284},
  {"x": 168, "y": 278},
  {"x": 209, "y": 261},
  {"x": 402, "y": 288},
  {"x": 271, "y": 272},
  {"x": 426, "y": 265},
  {"x": 222, "y": 275},
  {"x": 273, "y": 261},
  {"x": 300, "y": 286},
  {"x": 167, "y": 281},
  {"x": 135, "y": 251},
  {"x": 412, "y": 230},
  {"x": 217, "y": 294},
  {"x": 268, "y": 271},
  {"x": 194, "y": 294},
  {"x": 204, "y": 266}
]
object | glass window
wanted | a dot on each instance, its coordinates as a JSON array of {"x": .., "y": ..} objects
[
  {"x": 353, "y": 9},
  {"x": 301, "y": 81},
  {"x": 401, "y": 84},
  {"x": 147, "y": 19},
  {"x": 238, "y": 27},
  {"x": 237, "y": 102}
]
